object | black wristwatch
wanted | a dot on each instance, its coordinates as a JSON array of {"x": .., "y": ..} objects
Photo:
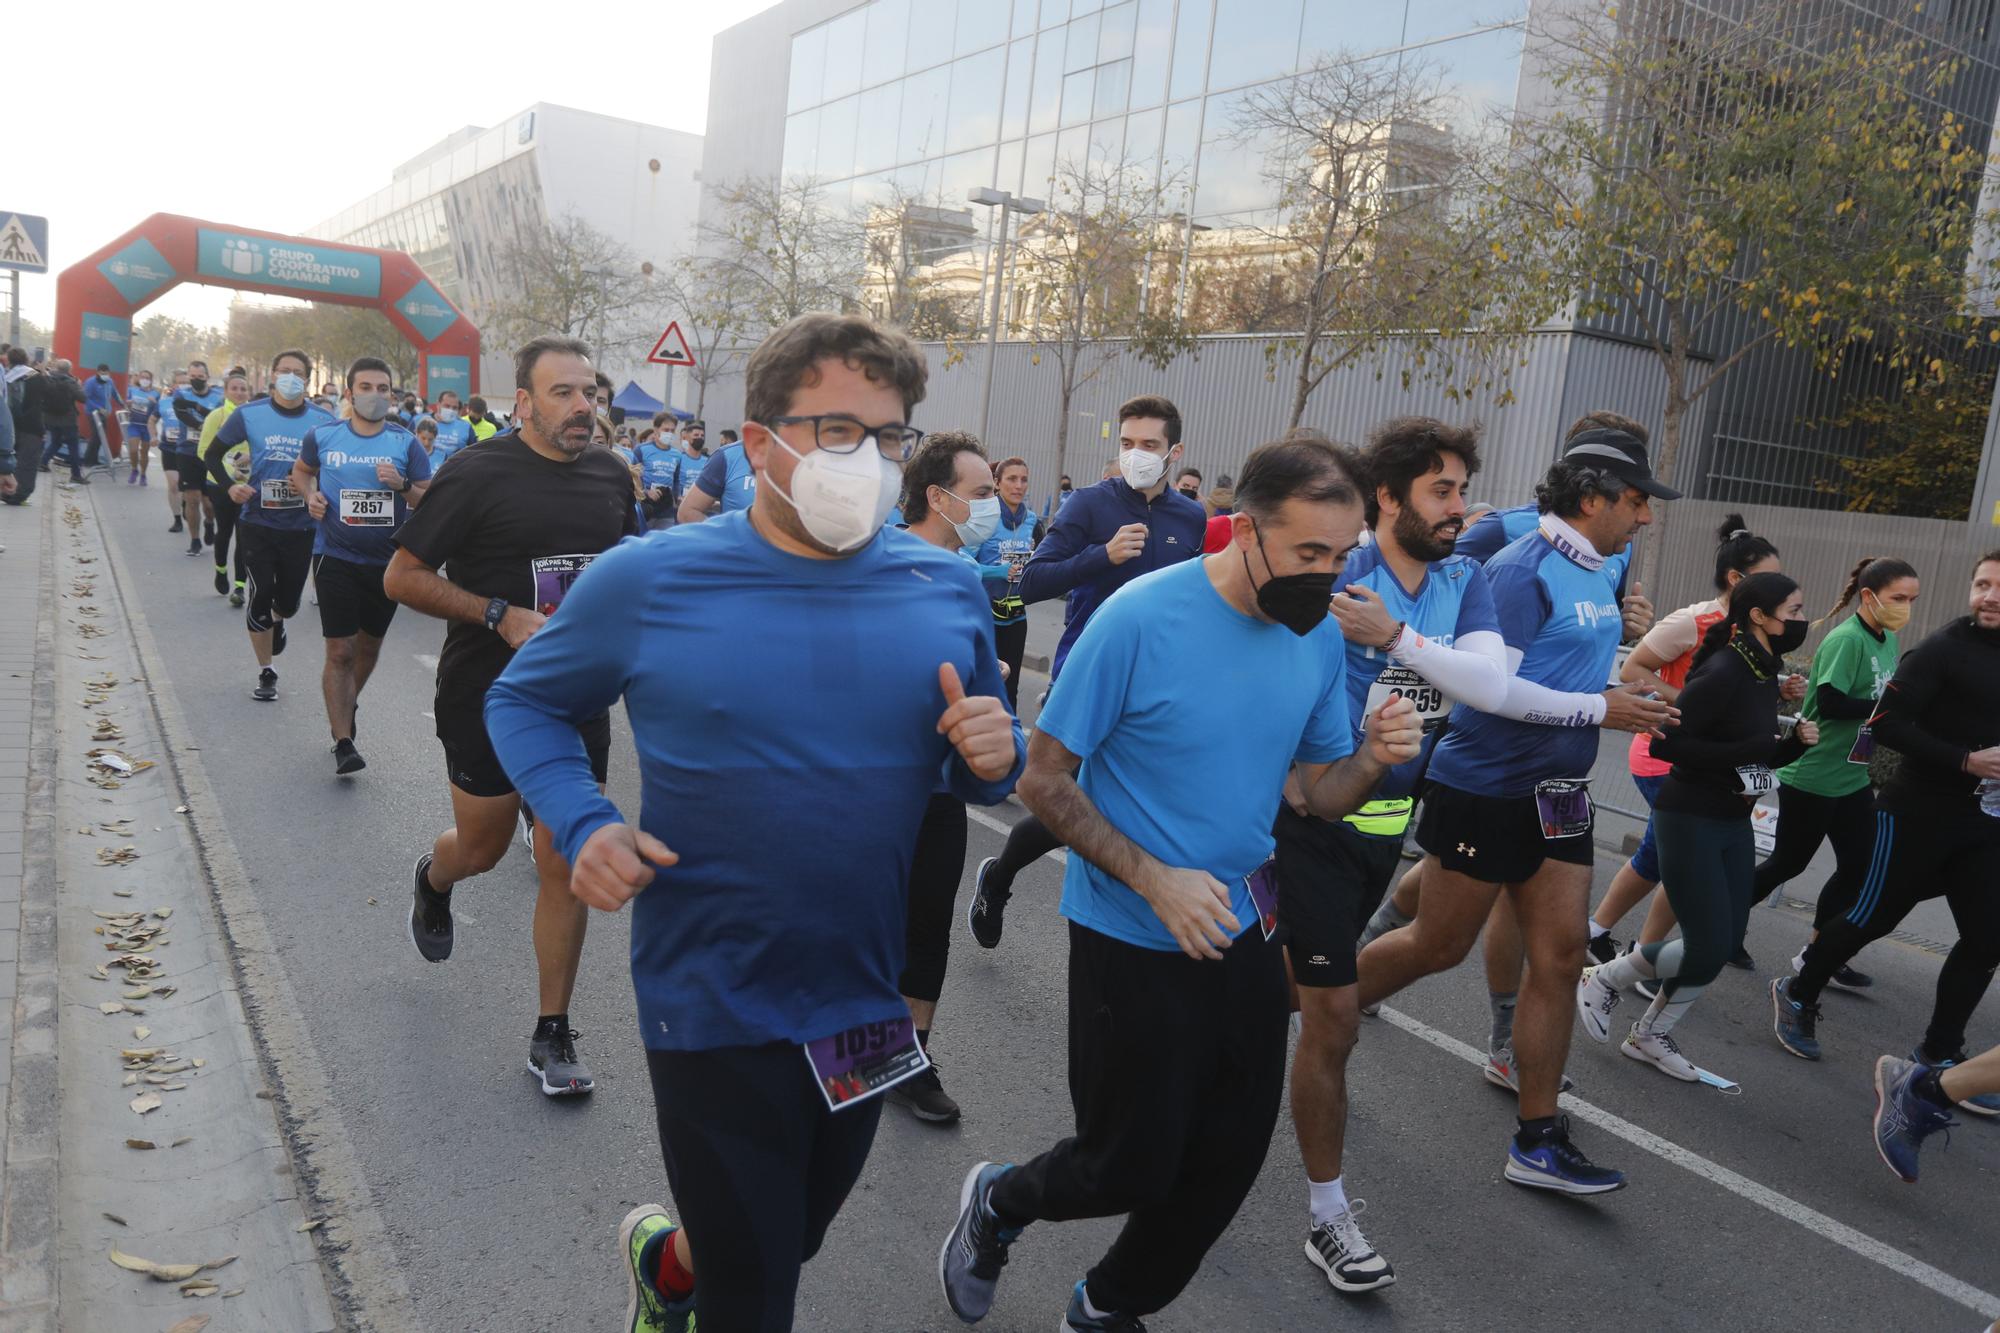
[{"x": 496, "y": 611}]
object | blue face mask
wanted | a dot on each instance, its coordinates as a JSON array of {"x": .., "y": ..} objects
[{"x": 289, "y": 387}]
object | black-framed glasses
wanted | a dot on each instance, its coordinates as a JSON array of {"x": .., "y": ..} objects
[{"x": 838, "y": 433}]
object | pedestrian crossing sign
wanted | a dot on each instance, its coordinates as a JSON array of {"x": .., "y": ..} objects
[{"x": 24, "y": 242}]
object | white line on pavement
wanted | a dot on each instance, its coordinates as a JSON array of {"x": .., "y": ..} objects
[
  {"x": 428, "y": 659},
  {"x": 1944, "y": 1284}
]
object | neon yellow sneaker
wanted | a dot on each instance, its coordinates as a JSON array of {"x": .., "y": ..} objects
[{"x": 645, "y": 1312}]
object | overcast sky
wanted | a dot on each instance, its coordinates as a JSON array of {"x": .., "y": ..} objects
[{"x": 312, "y": 130}]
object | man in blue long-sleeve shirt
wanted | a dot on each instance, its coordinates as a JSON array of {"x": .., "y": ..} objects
[
  {"x": 780, "y": 812},
  {"x": 1104, "y": 537}
]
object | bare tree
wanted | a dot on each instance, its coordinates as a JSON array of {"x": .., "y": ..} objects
[
  {"x": 713, "y": 311},
  {"x": 332, "y": 335},
  {"x": 923, "y": 268},
  {"x": 168, "y": 344},
  {"x": 569, "y": 278},
  {"x": 783, "y": 249}
]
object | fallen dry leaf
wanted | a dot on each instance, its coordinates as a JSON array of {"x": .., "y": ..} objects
[
  {"x": 146, "y": 1101},
  {"x": 201, "y": 1286},
  {"x": 141, "y": 1143},
  {"x": 194, "y": 1323},
  {"x": 140, "y": 1034},
  {"x": 178, "y": 1142},
  {"x": 312, "y": 1225},
  {"x": 157, "y": 1271},
  {"x": 111, "y": 1007},
  {"x": 113, "y": 1217}
]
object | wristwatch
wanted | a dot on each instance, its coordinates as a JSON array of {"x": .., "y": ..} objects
[{"x": 496, "y": 611}]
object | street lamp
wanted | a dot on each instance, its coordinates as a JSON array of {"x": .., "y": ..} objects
[{"x": 1006, "y": 203}]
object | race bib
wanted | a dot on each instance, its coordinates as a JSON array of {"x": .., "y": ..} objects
[
  {"x": 1864, "y": 747},
  {"x": 1755, "y": 780},
  {"x": 368, "y": 509},
  {"x": 1263, "y": 886},
  {"x": 1563, "y": 805},
  {"x": 278, "y": 494},
  {"x": 853, "y": 1065},
  {"x": 554, "y": 575},
  {"x": 1432, "y": 706}
]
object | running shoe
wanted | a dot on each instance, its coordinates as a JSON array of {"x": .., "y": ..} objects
[
  {"x": 194, "y": 546},
  {"x": 221, "y": 581},
  {"x": 177, "y": 526},
  {"x": 133, "y": 479},
  {"x": 985, "y": 916},
  {"x": 277, "y": 635},
  {"x": 1554, "y": 1163},
  {"x": 646, "y": 1311},
  {"x": 1371, "y": 1011},
  {"x": 975, "y": 1250},
  {"x": 527, "y": 824},
  {"x": 267, "y": 686},
  {"x": 1659, "y": 1050},
  {"x": 1080, "y": 1320},
  {"x": 1903, "y": 1117},
  {"x": 208, "y": 532},
  {"x": 1797, "y": 1025},
  {"x": 236, "y": 595},
  {"x": 1339, "y": 1250},
  {"x": 1843, "y": 978},
  {"x": 1647, "y": 989},
  {"x": 924, "y": 1097},
  {"x": 1603, "y": 948},
  {"x": 1985, "y": 1104},
  {"x": 1502, "y": 1072},
  {"x": 1595, "y": 1000},
  {"x": 1742, "y": 959},
  {"x": 347, "y": 759},
  {"x": 430, "y": 917},
  {"x": 552, "y": 1059}
]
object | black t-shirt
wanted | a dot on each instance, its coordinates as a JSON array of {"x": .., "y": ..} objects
[{"x": 503, "y": 521}]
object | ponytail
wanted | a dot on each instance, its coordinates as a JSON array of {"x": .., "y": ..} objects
[
  {"x": 1757, "y": 592},
  {"x": 1737, "y": 550},
  {"x": 1872, "y": 574}
]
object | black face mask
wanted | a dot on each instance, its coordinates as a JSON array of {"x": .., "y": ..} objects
[
  {"x": 1793, "y": 637},
  {"x": 198, "y": 385},
  {"x": 1299, "y": 602}
]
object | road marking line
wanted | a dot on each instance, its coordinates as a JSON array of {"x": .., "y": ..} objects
[{"x": 1984, "y": 1303}]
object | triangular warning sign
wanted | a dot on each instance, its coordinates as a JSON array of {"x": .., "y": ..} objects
[
  {"x": 671, "y": 349},
  {"x": 17, "y": 247}
]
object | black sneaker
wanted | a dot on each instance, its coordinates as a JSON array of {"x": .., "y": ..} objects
[
  {"x": 986, "y": 915},
  {"x": 221, "y": 581},
  {"x": 178, "y": 526},
  {"x": 924, "y": 1097},
  {"x": 430, "y": 917},
  {"x": 347, "y": 759},
  {"x": 277, "y": 636},
  {"x": 267, "y": 686},
  {"x": 1603, "y": 948},
  {"x": 236, "y": 595},
  {"x": 208, "y": 532},
  {"x": 1741, "y": 958},
  {"x": 1551, "y": 1162},
  {"x": 552, "y": 1059},
  {"x": 194, "y": 546}
]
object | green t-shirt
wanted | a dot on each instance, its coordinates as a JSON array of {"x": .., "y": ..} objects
[{"x": 1855, "y": 663}]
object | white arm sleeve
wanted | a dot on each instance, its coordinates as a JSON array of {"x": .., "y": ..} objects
[
  {"x": 1472, "y": 670},
  {"x": 1528, "y": 702}
]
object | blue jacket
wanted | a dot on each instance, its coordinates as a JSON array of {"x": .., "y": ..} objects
[{"x": 1071, "y": 561}]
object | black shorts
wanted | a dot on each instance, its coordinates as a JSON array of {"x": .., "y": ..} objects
[
  {"x": 351, "y": 599},
  {"x": 1331, "y": 878},
  {"x": 1494, "y": 839},
  {"x": 469, "y": 760},
  {"x": 276, "y": 562},
  {"x": 192, "y": 471}
]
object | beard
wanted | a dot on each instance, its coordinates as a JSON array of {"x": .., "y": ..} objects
[
  {"x": 1422, "y": 540},
  {"x": 570, "y": 434}
]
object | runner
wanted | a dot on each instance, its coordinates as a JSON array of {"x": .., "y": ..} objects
[
  {"x": 1661, "y": 663},
  {"x": 1722, "y": 754},
  {"x": 1507, "y": 809},
  {"x": 1128, "y": 524},
  {"x": 172, "y": 436},
  {"x": 749, "y": 1059},
  {"x": 273, "y": 528},
  {"x": 949, "y": 501},
  {"x": 235, "y": 393},
  {"x": 191, "y": 404},
  {"x": 1914, "y": 1101},
  {"x": 454, "y": 432},
  {"x": 659, "y": 464},
  {"x": 484, "y": 427},
  {"x": 141, "y": 402},
  {"x": 1001, "y": 558},
  {"x": 1177, "y": 999},
  {"x": 727, "y": 482},
  {"x": 1937, "y": 832},
  {"x": 1828, "y": 792},
  {"x": 426, "y": 431},
  {"x": 512, "y": 521},
  {"x": 1419, "y": 625},
  {"x": 361, "y": 477}
]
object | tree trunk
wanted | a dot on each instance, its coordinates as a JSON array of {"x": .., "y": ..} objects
[
  {"x": 1664, "y": 459},
  {"x": 1066, "y": 390},
  {"x": 1301, "y": 387}
]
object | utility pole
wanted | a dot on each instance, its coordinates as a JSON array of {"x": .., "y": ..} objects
[{"x": 1007, "y": 203}]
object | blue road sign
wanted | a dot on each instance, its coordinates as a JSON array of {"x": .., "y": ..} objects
[{"x": 24, "y": 242}]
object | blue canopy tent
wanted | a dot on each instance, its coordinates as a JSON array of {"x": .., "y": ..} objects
[{"x": 634, "y": 401}]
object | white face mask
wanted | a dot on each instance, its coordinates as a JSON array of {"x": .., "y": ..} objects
[
  {"x": 447, "y": 414},
  {"x": 842, "y": 499},
  {"x": 980, "y": 523},
  {"x": 289, "y": 387},
  {"x": 1141, "y": 468}
]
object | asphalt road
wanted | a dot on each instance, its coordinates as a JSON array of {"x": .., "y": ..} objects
[{"x": 1766, "y": 1210}]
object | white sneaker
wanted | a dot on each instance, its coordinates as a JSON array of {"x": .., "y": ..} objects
[
  {"x": 1658, "y": 1050},
  {"x": 1502, "y": 1072},
  {"x": 1594, "y": 1001},
  {"x": 1339, "y": 1250}
]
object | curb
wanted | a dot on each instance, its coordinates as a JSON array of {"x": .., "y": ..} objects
[{"x": 357, "y": 1259}]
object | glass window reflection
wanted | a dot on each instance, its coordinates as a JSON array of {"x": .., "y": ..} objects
[
  {"x": 836, "y": 138},
  {"x": 1045, "y": 106},
  {"x": 1082, "y": 52},
  {"x": 888, "y": 40},
  {"x": 975, "y": 100},
  {"x": 1014, "y": 105},
  {"x": 1432, "y": 19},
  {"x": 931, "y": 26},
  {"x": 1191, "y": 48},
  {"x": 1114, "y": 34},
  {"x": 1254, "y": 39},
  {"x": 924, "y": 97},
  {"x": 1152, "y": 44},
  {"x": 801, "y": 143},
  {"x": 981, "y": 23},
  {"x": 845, "y": 41},
  {"x": 1114, "y": 82},
  {"x": 808, "y": 68},
  {"x": 1078, "y": 91},
  {"x": 1358, "y": 30},
  {"x": 1481, "y": 72},
  {"x": 875, "y": 134},
  {"x": 1038, "y": 165},
  {"x": 1024, "y": 17}
]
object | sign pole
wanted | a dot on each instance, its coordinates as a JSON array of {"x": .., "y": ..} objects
[{"x": 14, "y": 311}]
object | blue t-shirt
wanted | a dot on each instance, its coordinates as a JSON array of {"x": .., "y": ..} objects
[
  {"x": 362, "y": 514},
  {"x": 1001, "y": 559},
  {"x": 451, "y": 437},
  {"x": 728, "y": 477},
  {"x": 275, "y": 437},
  {"x": 1165, "y": 668},
  {"x": 1453, "y": 600},
  {"x": 687, "y": 470},
  {"x": 185, "y": 404},
  {"x": 141, "y": 404},
  {"x": 1495, "y": 529},
  {"x": 1566, "y": 622},
  {"x": 658, "y": 467},
  {"x": 791, "y": 784},
  {"x": 1071, "y": 561}
]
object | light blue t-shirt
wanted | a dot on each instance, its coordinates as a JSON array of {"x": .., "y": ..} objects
[
  {"x": 1566, "y": 622},
  {"x": 452, "y": 436},
  {"x": 728, "y": 477},
  {"x": 1452, "y": 600},
  {"x": 1187, "y": 714},
  {"x": 657, "y": 466},
  {"x": 362, "y": 514},
  {"x": 275, "y": 437}
]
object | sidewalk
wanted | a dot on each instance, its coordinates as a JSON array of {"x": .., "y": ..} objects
[{"x": 138, "y": 1118}]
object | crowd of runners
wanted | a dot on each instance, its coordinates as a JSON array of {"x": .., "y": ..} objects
[{"x": 1233, "y": 747}]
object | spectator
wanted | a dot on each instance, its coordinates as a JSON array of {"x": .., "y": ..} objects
[
  {"x": 100, "y": 395},
  {"x": 24, "y": 412},
  {"x": 61, "y": 395}
]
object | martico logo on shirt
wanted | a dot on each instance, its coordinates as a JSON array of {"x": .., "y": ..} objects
[{"x": 1589, "y": 613}]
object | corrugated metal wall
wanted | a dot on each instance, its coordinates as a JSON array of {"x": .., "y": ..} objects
[{"x": 1233, "y": 398}]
